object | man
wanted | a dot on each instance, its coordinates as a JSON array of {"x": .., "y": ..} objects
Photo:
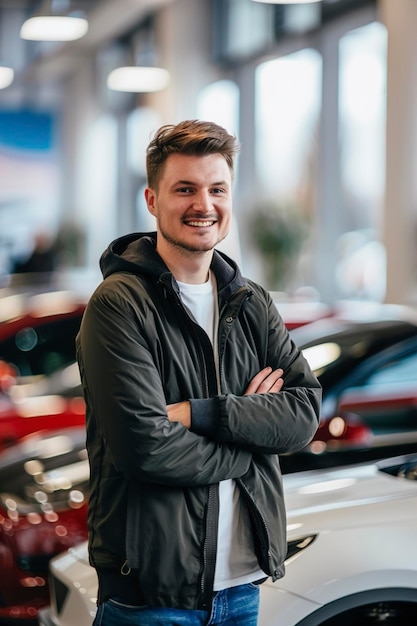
[{"x": 192, "y": 387}]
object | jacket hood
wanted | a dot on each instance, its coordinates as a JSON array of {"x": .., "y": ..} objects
[{"x": 136, "y": 253}]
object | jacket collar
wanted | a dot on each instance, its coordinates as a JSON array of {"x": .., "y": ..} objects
[{"x": 136, "y": 253}]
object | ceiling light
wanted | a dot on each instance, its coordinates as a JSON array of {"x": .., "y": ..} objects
[
  {"x": 54, "y": 22},
  {"x": 138, "y": 79},
  {"x": 54, "y": 28},
  {"x": 287, "y": 1},
  {"x": 6, "y": 76}
]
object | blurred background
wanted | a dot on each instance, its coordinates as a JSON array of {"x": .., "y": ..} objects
[{"x": 322, "y": 96}]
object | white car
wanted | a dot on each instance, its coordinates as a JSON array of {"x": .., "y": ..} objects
[{"x": 352, "y": 555}]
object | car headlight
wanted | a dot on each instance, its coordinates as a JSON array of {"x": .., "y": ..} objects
[{"x": 296, "y": 545}]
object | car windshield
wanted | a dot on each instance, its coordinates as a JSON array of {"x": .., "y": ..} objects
[
  {"x": 332, "y": 355},
  {"x": 41, "y": 349}
]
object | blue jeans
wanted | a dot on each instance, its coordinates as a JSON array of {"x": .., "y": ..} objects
[{"x": 237, "y": 606}]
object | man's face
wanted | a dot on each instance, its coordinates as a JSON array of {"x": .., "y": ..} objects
[{"x": 193, "y": 203}]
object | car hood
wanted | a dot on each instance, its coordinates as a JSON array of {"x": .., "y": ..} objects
[
  {"x": 78, "y": 553},
  {"x": 318, "y": 499}
]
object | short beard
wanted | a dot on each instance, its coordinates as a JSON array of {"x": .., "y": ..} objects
[{"x": 184, "y": 245}]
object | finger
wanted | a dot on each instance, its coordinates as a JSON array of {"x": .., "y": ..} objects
[
  {"x": 273, "y": 382},
  {"x": 264, "y": 381},
  {"x": 277, "y": 386},
  {"x": 257, "y": 380}
]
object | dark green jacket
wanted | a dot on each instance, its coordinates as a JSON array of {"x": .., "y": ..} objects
[{"x": 154, "y": 484}]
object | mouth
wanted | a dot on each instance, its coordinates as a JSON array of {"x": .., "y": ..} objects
[{"x": 200, "y": 223}]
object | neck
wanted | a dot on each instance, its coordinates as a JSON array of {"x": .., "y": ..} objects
[{"x": 186, "y": 266}]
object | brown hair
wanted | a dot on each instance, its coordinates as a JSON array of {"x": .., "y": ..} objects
[{"x": 192, "y": 137}]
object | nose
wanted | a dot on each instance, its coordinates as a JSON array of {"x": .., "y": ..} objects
[{"x": 202, "y": 201}]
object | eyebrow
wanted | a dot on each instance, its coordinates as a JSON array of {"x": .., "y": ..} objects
[{"x": 190, "y": 182}]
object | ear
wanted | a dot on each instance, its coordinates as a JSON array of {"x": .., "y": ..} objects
[{"x": 150, "y": 197}]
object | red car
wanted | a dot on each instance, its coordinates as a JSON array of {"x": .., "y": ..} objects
[
  {"x": 43, "y": 510},
  {"x": 39, "y": 387},
  {"x": 37, "y": 331},
  {"x": 50, "y": 403},
  {"x": 300, "y": 311}
]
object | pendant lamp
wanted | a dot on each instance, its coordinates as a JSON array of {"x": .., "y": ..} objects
[
  {"x": 51, "y": 24},
  {"x": 141, "y": 72},
  {"x": 138, "y": 79},
  {"x": 6, "y": 76},
  {"x": 286, "y": 1}
]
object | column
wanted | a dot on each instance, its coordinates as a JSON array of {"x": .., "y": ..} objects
[{"x": 400, "y": 209}]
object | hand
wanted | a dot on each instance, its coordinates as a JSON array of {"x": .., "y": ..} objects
[
  {"x": 266, "y": 381},
  {"x": 180, "y": 412}
]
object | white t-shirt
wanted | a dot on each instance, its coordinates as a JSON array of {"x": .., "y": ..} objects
[{"x": 236, "y": 562}]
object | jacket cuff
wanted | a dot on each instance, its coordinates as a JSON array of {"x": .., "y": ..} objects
[{"x": 205, "y": 416}]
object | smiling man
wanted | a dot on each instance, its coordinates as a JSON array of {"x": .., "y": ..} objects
[
  {"x": 193, "y": 212},
  {"x": 192, "y": 388}
]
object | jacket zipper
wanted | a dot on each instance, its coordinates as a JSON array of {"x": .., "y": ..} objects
[
  {"x": 210, "y": 542},
  {"x": 261, "y": 528},
  {"x": 212, "y": 508}
]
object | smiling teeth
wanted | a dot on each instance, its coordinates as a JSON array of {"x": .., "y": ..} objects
[{"x": 200, "y": 223}]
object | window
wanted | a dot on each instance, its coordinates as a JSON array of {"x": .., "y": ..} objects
[
  {"x": 219, "y": 103},
  {"x": 362, "y": 117},
  {"x": 288, "y": 98},
  {"x": 287, "y": 110}
]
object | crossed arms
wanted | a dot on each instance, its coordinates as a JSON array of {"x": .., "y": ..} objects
[{"x": 265, "y": 381}]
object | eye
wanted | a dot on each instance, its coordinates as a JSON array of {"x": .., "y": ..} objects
[
  {"x": 218, "y": 190},
  {"x": 185, "y": 190}
]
